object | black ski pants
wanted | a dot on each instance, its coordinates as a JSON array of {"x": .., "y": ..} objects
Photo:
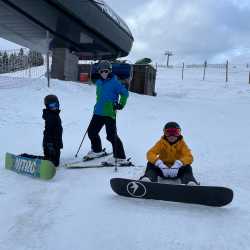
[
  {"x": 95, "y": 126},
  {"x": 185, "y": 173},
  {"x": 54, "y": 156}
]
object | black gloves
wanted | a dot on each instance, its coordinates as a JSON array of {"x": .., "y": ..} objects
[{"x": 117, "y": 106}]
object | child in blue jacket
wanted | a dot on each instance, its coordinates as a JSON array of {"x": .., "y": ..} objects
[{"x": 111, "y": 96}]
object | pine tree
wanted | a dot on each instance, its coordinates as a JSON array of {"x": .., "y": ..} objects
[
  {"x": 11, "y": 63},
  {"x": 21, "y": 52},
  {"x": 1, "y": 64},
  {"x": 20, "y": 59},
  {"x": 5, "y": 62}
]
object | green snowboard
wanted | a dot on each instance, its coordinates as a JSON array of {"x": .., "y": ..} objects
[{"x": 34, "y": 167}]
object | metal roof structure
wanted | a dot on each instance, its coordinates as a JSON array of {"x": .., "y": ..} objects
[{"x": 90, "y": 28}]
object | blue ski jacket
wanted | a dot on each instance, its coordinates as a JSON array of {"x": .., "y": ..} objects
[{"x": 108, "y": 92}]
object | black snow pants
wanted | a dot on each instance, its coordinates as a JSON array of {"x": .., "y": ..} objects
[
  {"x": 185, "y": 173},
  {"x": 95, "y": 126}
]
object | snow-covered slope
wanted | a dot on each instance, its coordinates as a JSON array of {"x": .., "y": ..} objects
[{"x": 78, "y": 210}]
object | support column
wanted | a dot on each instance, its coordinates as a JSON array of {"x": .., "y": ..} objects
[{"x": 64, "y": 65}]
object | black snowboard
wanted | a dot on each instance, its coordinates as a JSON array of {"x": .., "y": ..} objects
[{"x": 203, "y": 195}]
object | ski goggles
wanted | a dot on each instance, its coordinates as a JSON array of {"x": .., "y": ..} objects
[
  {"x": 173, "y": 132},
  {"x": 106, "y": 71},
  {"x": 53, "y": 105}
]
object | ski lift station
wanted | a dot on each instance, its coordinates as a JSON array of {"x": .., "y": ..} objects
[{"x": 72, "y": 29}]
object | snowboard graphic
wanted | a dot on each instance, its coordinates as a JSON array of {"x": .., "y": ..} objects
[
  {"x": 202, "y": 195},
  {"x": 34, "y": 167}
]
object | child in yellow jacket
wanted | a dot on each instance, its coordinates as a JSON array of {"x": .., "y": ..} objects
[{"x": 170, "y": 157}]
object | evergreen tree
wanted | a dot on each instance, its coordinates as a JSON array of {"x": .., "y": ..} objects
[
  {"x": 5, "y": 62},
  {"x": 1, "y": 64},
  {"x": 11, "y": 62},
  {"x": 20, "y": 59},
  {"x": 21, "y": 53},
  {"x": 32, "y": 58},
  {"x": 40, "y": 60}
]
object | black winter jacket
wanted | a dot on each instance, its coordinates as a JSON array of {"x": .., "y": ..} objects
[{"x": 53, "y": 128}]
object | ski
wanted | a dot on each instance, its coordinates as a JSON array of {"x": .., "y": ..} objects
[
  {"x": 96, "y": 163},
  {"x": 128, "y": 163},
  {"x": 97, "y": 166},
  {"x": 85, "y": 160}
]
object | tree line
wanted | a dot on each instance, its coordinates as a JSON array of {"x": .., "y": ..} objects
[{"x": 15, "y": 61}]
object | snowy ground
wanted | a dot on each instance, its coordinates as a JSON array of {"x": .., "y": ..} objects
[{"x": 78, "y": 210}]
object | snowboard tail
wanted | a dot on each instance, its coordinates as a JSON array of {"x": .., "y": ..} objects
[
  {"x": 35, "y": 167},
  {"x": 202, "y": 195}
]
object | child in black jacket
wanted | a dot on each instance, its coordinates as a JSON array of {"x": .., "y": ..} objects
[{"x": 52, "y": 134}]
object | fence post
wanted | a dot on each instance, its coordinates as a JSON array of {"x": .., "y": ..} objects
[
  {"x": 29, "y": 69},
  {"x": 182, "y": 73},
  {"x": 48, "y": 71},
  {"x": 48, "y": 55},
  {"x": 227, "y": 71},
  {"x": 204, "y": 71}
]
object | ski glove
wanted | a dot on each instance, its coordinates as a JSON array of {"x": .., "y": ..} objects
[
  {"x": 177, "y": 164},
  {"x": 175, "y": 168},
  {"x": 164, "y": 169},
  {"x": 160, "y": 164},
  {"x": 117, "y": 106}
]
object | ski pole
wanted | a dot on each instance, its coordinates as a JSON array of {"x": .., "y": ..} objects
[
  {"x": 115, "y": 148},
  {"x": 81, "y": 142}
]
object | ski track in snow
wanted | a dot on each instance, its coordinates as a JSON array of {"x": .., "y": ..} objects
[{"x": 78, "y": 210}]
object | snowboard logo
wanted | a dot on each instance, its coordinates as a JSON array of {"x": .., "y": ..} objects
[
  {"x": 24, "y": 166},
  {"x": 136, "y": 189}
]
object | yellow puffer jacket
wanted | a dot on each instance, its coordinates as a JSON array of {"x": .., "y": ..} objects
[{"x": 169, "y": 153}]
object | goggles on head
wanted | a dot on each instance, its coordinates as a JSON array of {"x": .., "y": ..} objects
[{"x": 173, "y": 132}]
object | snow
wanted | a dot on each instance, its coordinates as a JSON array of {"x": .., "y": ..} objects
[{"x": 78, "y": 210}]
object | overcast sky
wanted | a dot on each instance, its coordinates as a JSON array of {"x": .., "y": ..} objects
[{"x": 194, "y": 30}]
